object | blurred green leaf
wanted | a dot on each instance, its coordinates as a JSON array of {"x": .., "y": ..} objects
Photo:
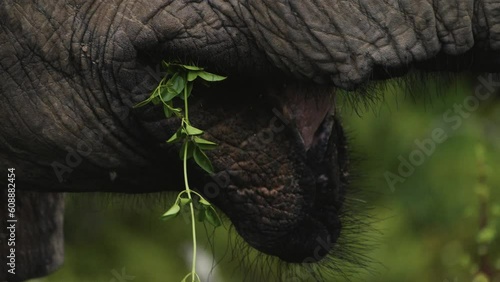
[
  {"x": 480, "y": 277},
  {"x": 192, "y": 68},
  {"x": 201, "y": 214},
  {"x": 176, "y": 84},
  {"x": 191, "y": 130},
  {"x": 168, "y": 93},
  {"x": 204, "y": 202},
  {"x": 212, "y": 217},
  {"x": 192, "y": 75},
  {"x": 178, "y": 136},
  {"x": 210, "y": 76},
  {"x": 172, "y": 212},
  {"x": 486, "y": 235},
  {"x": 184, "y": 201}
]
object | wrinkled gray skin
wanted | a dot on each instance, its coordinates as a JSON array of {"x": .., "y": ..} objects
[{"x": 71, "y": 70}]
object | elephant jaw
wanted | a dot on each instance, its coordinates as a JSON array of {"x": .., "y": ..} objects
[
  {"x": 284, "y": 197},
  {"x": 315, "y": 234}
]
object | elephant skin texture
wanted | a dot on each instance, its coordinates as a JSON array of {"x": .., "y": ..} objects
[{"x": 71, "y": 71}]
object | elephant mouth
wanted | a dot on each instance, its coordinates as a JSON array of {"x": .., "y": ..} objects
[
  {"x": 282, "y": 170},
  {"x": 326, "y": 180}
]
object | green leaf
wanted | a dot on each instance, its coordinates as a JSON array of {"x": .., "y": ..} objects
[
  {"x": 192, "y": 68},
  {"x": 202, "y": 160},
  {"x": 191, "y": 130},
  {"x": 176, "y": 84},
  {"x": 168, "y": 93},
  {"x": 210, "y": 76},
  {"x": 172, "y": 212},
  {"x": 192, "y": 75},
  {"x": 212, "y": 217},
  {"x": 184, "y": 201},
  {"x": 204, "y": 144},
  {"x": 178, "y": 136},
  {"x": 204, "y": 202}
]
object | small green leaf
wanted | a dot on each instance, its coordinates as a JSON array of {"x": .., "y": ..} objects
[
  {"x": 210, "y": 76},
  {"x": 212, "y": 217},
  {"x": 167, "y": 94},
  {"x": 192, "y": 75},
  {"x": 184, "y": 201},
  {"x": 204, "y": 144},
  {"x": 202, "y": 160},
  {"x": 172, "y": 212},
  {"x": 176, "y": 84},
  {"x": 192, "y": 68},
  {"x": 191, "y": 130},
  {"x": 204, "y": 202},
  {"x": 178, "y": 136}
]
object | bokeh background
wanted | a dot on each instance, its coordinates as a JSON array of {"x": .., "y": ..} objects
[{"x": 441, "y": 224}]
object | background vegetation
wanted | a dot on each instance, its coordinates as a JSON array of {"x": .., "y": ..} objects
[{"x": 441, "y": 224}]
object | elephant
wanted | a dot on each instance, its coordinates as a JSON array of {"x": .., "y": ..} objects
[{"x": 71, "y": 71}]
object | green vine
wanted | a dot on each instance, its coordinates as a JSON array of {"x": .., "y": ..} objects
[{"x": 178, "y": 82}]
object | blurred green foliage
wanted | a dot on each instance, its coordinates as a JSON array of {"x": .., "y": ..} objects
[{"x": 442, "y": 224}]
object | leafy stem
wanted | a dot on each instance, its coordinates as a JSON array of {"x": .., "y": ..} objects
[
  {"x": 191, "y": 208},
  {"x": 178, "y": 82}
]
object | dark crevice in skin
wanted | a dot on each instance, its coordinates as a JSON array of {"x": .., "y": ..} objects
[{"x": 475, "y": 59}]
